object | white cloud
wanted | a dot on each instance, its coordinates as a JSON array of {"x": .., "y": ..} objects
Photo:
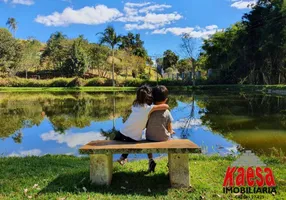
[
  {"x": 130, "y": 11},
  {"x": 243, "y": 4},
  {"x": 156, "y": 7},
  {"x": 186, "y": 123},
  {"x": 141, "y": 26},
  {"x": 138, "y": 16},
  {"x": 88, "y": 15},
  {"x": 137, "y": 4},
  {"x": 72, "y": 139},
  {"x": 32, "y": 152},
  {"x": 145, "y": 17},
  {"x": 22, "y": 2},
  {"x": 150, "y": 20},
  {"x": 196, "y": 32},
  {"x": 174, "y": 30},
  {"x": 211, "y": 27}
]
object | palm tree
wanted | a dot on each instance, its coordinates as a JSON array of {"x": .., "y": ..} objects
[
  {"x": 12, "y": 24},
  {"x": 110, "y": 38}
]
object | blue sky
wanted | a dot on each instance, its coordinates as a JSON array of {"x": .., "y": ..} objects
[{"x": 160, "y": 22}]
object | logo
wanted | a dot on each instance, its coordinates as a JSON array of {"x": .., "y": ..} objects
[{"x": 249, "y": 175}]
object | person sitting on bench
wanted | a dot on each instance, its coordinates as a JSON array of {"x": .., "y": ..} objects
[
  {"x": 131, "y": 130},
  {"x": 159, "y": 126}
]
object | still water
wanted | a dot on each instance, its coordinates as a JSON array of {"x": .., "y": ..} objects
[{"x": 59, "y": 123}]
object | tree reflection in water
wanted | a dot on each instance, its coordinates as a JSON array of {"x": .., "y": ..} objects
[{"x": 254, "y": 121}]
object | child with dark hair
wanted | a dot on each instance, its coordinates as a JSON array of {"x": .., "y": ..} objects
[
  {"x": 131, "y": 130},
  {"x": 159, "y": 126}
]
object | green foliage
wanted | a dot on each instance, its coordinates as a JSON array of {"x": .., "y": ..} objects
[
  {"x": 144, "y": 76},
  {"x": 76, "y": 82},
  {"x": 63, "y": 57},
  {"x": 98, "y": 56},
  {"x": 133, "y": 82},
  {"x": 10, "y": 52},
  {"x": 56, "y": 51},
  {"x": 134, "y": 44},
  {"x": 184, "y": 65},
  {"x": 61, "y": 82},
  {"x": 76, "y": 64},
  {"x": 170, "y": 59},
  {"x": 12, "y": 24},
  {"x": 169, "y": 70},
  {"x": 31, "y": 56},
  {"x": 96, "y": 82},
  {"x": 252, "y": 51},
  {"x": 109, "y": 37}
]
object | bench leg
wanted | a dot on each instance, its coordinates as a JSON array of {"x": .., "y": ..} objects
[
  {"x": 101, "y": 169},
  {"x": 179, "y": 170}
]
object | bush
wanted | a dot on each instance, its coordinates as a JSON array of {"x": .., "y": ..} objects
[
  {"x": 170, "y": 82},
  {"x": 76, "y": 82},
  {"x": 79, "y": 82},
  {"x": 133, "y": 82},
  {"x": 96, "y": 82},
  {"x": 4, "y": 82},
  {"x": 60, "y": 82},
  {"x": 144, "y": 76}
]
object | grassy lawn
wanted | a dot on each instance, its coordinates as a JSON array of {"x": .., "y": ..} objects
[{"x": 67, "y": 177}]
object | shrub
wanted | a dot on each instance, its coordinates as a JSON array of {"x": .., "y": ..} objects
[
  {"x": 170, "y": 82},
  {"x": 60, "y": 82},
  {"x": 4, "y": 82},
  {"x": 144, "y": 76},
  {"x": 76, "y": 82},
  {"x": 95, "y": 82},
  {"x": 133, "y": 82}
]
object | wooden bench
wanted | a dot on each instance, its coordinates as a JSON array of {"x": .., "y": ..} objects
[{"x": 101, "y": 162}]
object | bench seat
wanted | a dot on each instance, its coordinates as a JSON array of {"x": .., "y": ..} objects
[{"x": 101, "y": 162}]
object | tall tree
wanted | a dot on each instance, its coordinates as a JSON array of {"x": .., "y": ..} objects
[
  {"x": 189, "y": 47},
  {"x": 12, "y": 24},
  {"x": 134, "y": 45},
  {"x": 76, "y": 63},
  {"x": 170, "y": 59},
  {"x": 98, "y": 58},
  {"x": 110, "y": 38},
  {"x": 10, "y": 52},
  {"x": 56, "y": 50},
  {"x": 184, "y": 65},
  {"x": 31, "y": 55},
  {"x": 253, "y": 50}
]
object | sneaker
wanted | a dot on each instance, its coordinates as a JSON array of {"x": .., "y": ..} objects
[{"x": 122, "y": 161}]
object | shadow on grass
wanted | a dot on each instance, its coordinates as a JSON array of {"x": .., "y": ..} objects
[{"x": 136, "y": 183}]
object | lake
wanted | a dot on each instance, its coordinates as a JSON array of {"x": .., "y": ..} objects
[{"x": 59, "y": 123}]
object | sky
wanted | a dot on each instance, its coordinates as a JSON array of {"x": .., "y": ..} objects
[{"x": 160, "y": 22}]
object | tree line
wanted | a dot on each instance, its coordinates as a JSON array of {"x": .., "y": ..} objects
[
  {"x": 74, "y": 57},
  {"x": 113, "y": 55},
  {"x": 253, "y": 50}
]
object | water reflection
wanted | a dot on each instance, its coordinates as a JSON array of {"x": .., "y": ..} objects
[{"x": 58, "y": 123}]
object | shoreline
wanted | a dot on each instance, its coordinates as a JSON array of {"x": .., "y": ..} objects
[{"x": 268, "y": 89}]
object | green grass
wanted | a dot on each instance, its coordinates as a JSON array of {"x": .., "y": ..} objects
[
  {"x": 256, "y": 88},
  {"x": 65, "y": 89},
  {"x": 66, "y": 177}
]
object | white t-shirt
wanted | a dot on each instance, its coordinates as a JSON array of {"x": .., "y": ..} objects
[{"x": 136, "y": 122}]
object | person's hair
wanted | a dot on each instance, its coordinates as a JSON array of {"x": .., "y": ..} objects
[
  {"x": 144, "y": 96},
  {"x": 160, "y": 93}
]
